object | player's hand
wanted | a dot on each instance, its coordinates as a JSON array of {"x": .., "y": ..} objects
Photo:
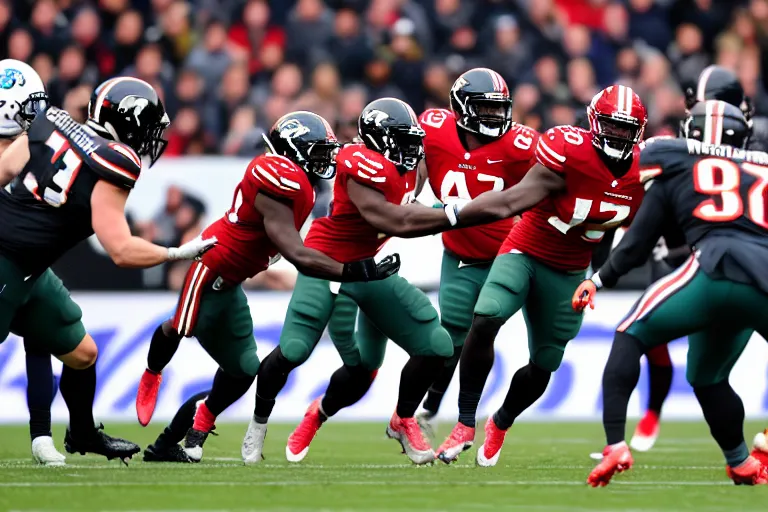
[
  {"x": 584, "y": 295},
  {"x": 192, "y": 249},
  {"x": 369, "y": 270},
  {"x": 660, "y": 251}
]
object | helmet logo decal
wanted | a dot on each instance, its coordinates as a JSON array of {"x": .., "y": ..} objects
[
  {"x": 375, "y": 117},
  {"x": 12, "y": 77},
  {"x": 459, "y": 83},
  {"x": 291, "y": 128},
  {"x": 135, "y": 104}
]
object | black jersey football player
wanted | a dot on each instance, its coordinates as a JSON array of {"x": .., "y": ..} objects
[
  {"x": 714, "y": 83},
  {"x": 70, "y": 181},
  {"x": 713, "y": 190}
]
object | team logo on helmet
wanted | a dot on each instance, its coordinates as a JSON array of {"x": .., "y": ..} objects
[
  {"x": 291, "y": 128},
  {"x": 375, "y": 117},
  {"x": 133, "y": 104},
  {"x": 11, "y": 78}
]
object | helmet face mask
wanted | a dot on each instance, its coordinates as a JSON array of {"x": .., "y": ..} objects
[
  {"x": 481, "y": 103},
  {"x": 389, "y": 126},
  {"x": 22, "y": 97},
  {"x": 617, "y": 121},
  {"x": 617, "y": 137},
  {"x": 307, "y": 140}
]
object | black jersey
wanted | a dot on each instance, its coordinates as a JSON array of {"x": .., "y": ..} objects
[
  {"x": 48, "y": 208},
  {"x": 715, "y": 196}
]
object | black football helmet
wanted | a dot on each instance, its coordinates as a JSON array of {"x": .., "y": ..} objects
[
  {"x": 390, "y": 127},
  {"x": 481, "y": 103},
  {"x": 717, "y": 122},
  {"x": 307, "y": 140},
  {"x": 719, "y": 83},
  {"x": 128, "y": 110}
]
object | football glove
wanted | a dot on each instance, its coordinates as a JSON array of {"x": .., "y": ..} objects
[
  {"x": 192, "y": 249},
  {"x": 584, "y": 295},
  {"x": 369, "y": 270}
]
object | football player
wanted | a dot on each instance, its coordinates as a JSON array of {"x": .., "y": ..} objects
[
  {"x": 470, "y": 149},
  {"x": 22, "y": 96},
  {"x": 376, "y": 181},
  {"x": 585, "y": 182},
  {"x": 69, "y": 182},
  {"x": 271, "y": 203},
  {"x": 714, "y": 83},
  {"x": 713, "y": 190}
]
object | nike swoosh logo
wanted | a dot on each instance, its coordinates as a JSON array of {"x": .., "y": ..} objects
[
  {"x": 494, "y": 161},
  {"x": 462, "y": 264}
]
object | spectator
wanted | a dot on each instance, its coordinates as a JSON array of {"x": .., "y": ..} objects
[
  {"x": 151, "y": 67},
  {"x": 687, "y": 53},
  {"x": 349, "y": 46},
  {"x": 509, "y": 54},
  {"x": 449, "y": 16},
  {"x": 437, "y": 85},
  {"x": 7, "y": 24},
  {"x": 308, "y": 32},
  {"x": 353, "y": 101},
  {"x": 20, "y": 45},
  {"x": 243, "y": 136},
  {"x": 129, "y": 29},
  {"x": 545, "y": 31},
  {"x": 210, "y": 58},
  {"x": 43, "y": 64},
  {"x": 86, "y": 32},
  {"x": 255, "y": 39},
  {"x": 177, "y": 39},
  {"x": 581, "y": 81},
  {"x": 110, "y": 12},
  {"x": 76, "y": 102},
  {"x": 186, "y": 136},
  {"x": 48, "y": 34},
  {"x": 649, "y": 21},
  {"x": 232, "y": 94},
  {"x": 72, "y": 71},
  {"x": 323, "y": 97},
  {"x": 408, "y": 63},
  {"x": 378, "y": 73}
]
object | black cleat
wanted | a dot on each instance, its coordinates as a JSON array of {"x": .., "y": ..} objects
[
  {"x": 101, "y": 444},
  {"x": 193, "y": 444},
  {"x": 173, "y": 453}
]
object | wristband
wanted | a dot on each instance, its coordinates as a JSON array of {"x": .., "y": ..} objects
[
  {"x": 452, "y": 213},
  {"x": 596, "y": 279}
]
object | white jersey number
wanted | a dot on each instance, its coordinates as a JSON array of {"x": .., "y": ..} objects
[
  {"x": 581, "y": 212},
  {"x": 68, "y": 163},
  {"x": 459, "y": 181}
]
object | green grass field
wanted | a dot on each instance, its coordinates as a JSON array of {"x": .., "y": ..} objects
[{"x": 354, "y": 467}]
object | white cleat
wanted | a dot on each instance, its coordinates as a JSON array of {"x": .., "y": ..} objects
[
  {"x": 253, "y": 442},
  {"x": 641, "y": 443},
  {"x": 45, "y": 453}
]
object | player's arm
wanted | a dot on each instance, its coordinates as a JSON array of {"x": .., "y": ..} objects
[
  {"x": 281, "y": 230},
  {"x": 112, "y": 230},
  {"x": 536, "y": 185},
  {"x": 405, "y": 221},
  {"x": 421, "y": 178},
  {"x": 13, "y": 159}
]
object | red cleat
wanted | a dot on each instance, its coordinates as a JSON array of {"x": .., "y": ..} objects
[
  {"x": 461, "y": 439},
  {"x": 146, "y": 397},
  {"x": 411, "y": 438},
  {"x": 749, "y": 472},
  {"x": 489, "y": 451},
  {"x": 299, "y": 440},
  {"x": 616, "y": 459},
  {"x": 646, "y": 433}
]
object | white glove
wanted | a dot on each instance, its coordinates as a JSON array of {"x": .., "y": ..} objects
[
  {"x": 192, "y": 249},
  {"x": 660, "y": 251}
]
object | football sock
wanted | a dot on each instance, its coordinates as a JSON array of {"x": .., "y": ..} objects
[
  {"x": 660, "y": 373},
  {"x": 417, "y": 375},
  {"x": 622, "y": 371},
  {"x": 204, "y": 418},
  {"x": 724, "y": 412},
  {"x": 348, "y": 385},
  {"x": 78, "y": 389},
  {"x": 273, "y": 374},
  {"x": 226, "y": 390},
  {"x": 162, "y": 347},
  {"x": 437, "y": 389},
  {"x": 527, "y": 386},
  {"x": 41, "y": 390},
  {"x": 181, "y": 422},
  {"x": 476, "y": 363}
]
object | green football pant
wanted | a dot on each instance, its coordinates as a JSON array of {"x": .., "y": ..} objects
[
  {"x": 517, "y": 281},
  {"x": 39, "y": 310},
  {"x": 460, "y": 285},
  {"x": 219, "y": 317},
  {"x": 719, "y": 317},
  {"x": 389, "y": 309}
]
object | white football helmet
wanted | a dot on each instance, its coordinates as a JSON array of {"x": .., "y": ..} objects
[{"x": 22, "y": 96}]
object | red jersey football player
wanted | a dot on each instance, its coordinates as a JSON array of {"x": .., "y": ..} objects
[
  {"x": 376, "y": 179},
  {"x": 270, "y": 205},
  {"x": 472, "y": 148},
  {"x": 585, "y": 182}
]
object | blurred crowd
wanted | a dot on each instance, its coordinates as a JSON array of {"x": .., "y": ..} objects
[{"x": 227, "y": 69}]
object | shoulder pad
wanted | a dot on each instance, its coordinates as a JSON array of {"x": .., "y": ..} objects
[
  {"x": 663, "y": 157},
  {"x": 116, "y": 163},
  {"x": 434, "y": 118},
  {"x": 277, "y": 175},
  {"x": 364, "y": 165},
  {"x": 551, "y": 149}
]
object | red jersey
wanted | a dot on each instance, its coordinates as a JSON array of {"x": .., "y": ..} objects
[
  {"x": 455, "y": 172},
  {"x": 243, "y": 248},
  {"x": 563, "y": 229},
  {"x": 344, "y": 235}
]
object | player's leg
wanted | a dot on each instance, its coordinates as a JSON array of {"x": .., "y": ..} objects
[
  {"x": 503, "y": 294},
  {"x": 361, "y": 352},
  {"x": 660, "y": 373},
  {"x": 404, "y": 314},
  {"x": 308, "y": 313},
  {"x": 50, "y": 317},
  {"x": 459, "y": 288},
  {"x": 41, "y": 390},
  {"x": 551, "y": 323},
  {"x": 166, "y": 447},
  {"x": 166, "y": 338},
  {"x": 224, "y": 328}
]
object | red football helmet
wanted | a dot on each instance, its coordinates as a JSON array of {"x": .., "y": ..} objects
[{"x": 617, "y": 119}]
